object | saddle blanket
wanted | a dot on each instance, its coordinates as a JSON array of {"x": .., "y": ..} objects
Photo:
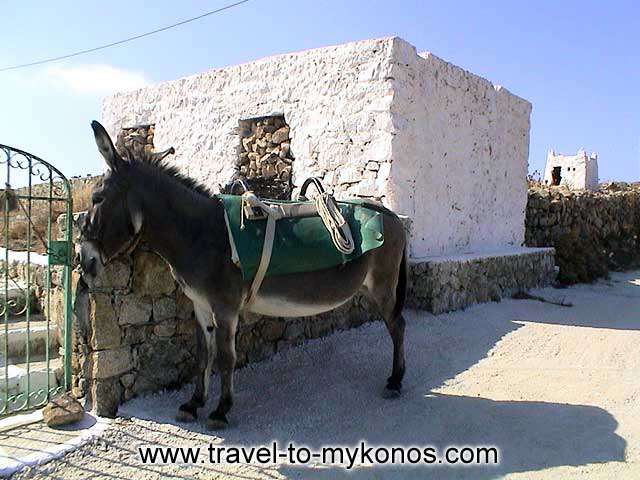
[{"x": 301, "y": 244}]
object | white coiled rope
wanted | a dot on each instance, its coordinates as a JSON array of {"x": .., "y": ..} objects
[{"x": 335, "y": 223}]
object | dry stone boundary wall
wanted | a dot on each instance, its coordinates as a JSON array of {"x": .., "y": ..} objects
[
  {"x": 592, "y": 232},
  {"x": 136, "y": 332}
]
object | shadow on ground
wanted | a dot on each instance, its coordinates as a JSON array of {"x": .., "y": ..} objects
[
  {"x": 328, "y": 393},
  {"x": 613, "y": 304}
]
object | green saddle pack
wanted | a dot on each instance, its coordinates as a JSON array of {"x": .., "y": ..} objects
[{"x": 301, "y": 244}]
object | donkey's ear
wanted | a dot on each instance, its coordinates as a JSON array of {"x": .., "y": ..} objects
[{"x": 105, "y": 146}]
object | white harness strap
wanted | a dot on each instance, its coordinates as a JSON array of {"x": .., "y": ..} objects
[
  {"x": 250, "y": 200},
  {"x": 267, "y": 248}
]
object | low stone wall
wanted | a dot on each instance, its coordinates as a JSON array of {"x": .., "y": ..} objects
[
  {"x": 136, "y": 332},
  {"x": 445, "y": 284},
  {"x": 592, "y": 232}
]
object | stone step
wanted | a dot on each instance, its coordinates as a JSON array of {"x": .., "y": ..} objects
[
  {"x": 37, "y": 336},
  {"x": 13, "y": 380}
]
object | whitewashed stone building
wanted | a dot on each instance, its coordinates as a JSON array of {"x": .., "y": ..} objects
[
  {"x": 376, "y": 119},
  {"x": 577, "y": 172}
]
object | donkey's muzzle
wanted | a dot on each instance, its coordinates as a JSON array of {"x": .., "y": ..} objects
[{"x": 89, "y": 259}]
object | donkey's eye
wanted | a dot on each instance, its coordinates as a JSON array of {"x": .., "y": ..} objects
[{"x": 96, "y": 199}]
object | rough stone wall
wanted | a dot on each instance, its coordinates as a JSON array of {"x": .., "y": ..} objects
[
  {"x": 452, "y": 283},
  {"x": 459, "y": 157},
  {"x": 372, "y": 119},
  {"x": 592, "y": 232},
  {"x": 134, "y": 332}
]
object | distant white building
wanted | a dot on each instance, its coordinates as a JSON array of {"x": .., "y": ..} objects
[{"x": 577, "y": 172}]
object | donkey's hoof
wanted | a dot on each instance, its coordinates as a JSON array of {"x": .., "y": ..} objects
[
  {"x": 186, "y": 416},
  {"x": 217, "y": 421},
  {"x": 391, "y": 393}
]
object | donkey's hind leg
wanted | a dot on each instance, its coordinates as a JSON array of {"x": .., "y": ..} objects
[
  {"x": 226, "y": 325},
  {"x": 188, "y": 412},
  {"x": 387, "y": 298},
  {"x": 395, "y": 325}
]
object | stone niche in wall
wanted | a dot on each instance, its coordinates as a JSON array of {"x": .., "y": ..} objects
[
  {"x": 264, "y": 156},
  {"x": 136, "y": 138}
]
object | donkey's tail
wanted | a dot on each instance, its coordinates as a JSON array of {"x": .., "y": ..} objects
[{"x": 401, "y": 287}]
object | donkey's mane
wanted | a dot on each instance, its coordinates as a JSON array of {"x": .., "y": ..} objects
[{"x": 159, "y": 166}]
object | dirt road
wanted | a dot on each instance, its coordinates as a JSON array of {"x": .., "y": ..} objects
[{"x": 557, "y": 389}]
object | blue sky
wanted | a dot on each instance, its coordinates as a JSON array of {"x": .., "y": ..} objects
[{"x": 578, "y": 62}]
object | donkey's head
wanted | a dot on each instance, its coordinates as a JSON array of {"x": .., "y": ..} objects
[{"x": 113, "y": 223}]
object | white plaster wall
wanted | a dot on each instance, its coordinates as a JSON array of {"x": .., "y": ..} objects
[
  {"x": 335, "y": 99},
  {"x": 459, "y": 157},
  {"x": 593, "y": 180},
  {"x": 372, "y": 118}
]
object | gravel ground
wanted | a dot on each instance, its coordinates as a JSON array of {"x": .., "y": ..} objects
[{"x": 557, "y": 389}]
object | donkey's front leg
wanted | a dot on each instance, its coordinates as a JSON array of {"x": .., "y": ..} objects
[
  {"x": 227, "y": 323},
  {"x": 188, "y": 412}
]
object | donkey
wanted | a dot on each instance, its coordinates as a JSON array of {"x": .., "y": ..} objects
[{"x": 141, "y": 198}]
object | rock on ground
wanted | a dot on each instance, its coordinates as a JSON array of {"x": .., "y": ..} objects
[{"x": 63, "y": 410}]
